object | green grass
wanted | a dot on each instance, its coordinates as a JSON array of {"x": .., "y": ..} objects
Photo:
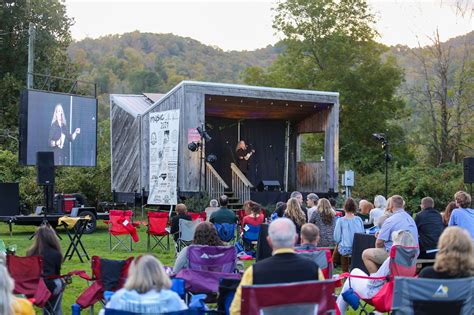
[{"x": 96, "y": 244}]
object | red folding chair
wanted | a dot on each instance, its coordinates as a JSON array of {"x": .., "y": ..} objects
[
  {"x": 200, "y": 215},
  {"x": 122, "y": 227},
  {"x": 107, "y": 275},
  {"x": 322, "y": 257},
  {"x": 307, "y": 297},
  {"x": 27, "y": 273},
  {"x": 402, "y": 264},
  {"x": 158, "y": 230}
]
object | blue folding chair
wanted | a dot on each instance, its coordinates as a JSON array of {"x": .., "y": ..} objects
[{"x": 226, "y": 231}]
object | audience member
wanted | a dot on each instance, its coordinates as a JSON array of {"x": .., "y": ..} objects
[
  {"x": 223, "y": 215},
  {"x": 364, "y": 212},
  {"x": 333, "y": 203},
  {"x": 284, "y": 266},
  {"x": 181, "y": 213},
  {"x": 455, "y": 258},
  {"x": 312, "y": 202},
  {"x": 380, "y": 204},
  {"x": 430, "y": 226},
  {"x": 366, "y": 288},
  {"x": 325, "y": 219},
  {"x": 9, "y": 303},
  {"x": 255, "y": 217},
  {"x": 205, "y": 234},
  {"x": 344, "y": 232},
  {"x": 399, "y": 220},
  {"x": 299, "y": 197},
  {"x": 279, "y": 209},
  {"x": 294, "y": 213},
  {"x": 309, "y": 237},
  {"x": 213, "y": 207},
  {"x": 147, "y": 290},
  {"x": 46, "y": 244},
  {"x": 447, "y": 212},
  {"x": 387, "y": 213},
  {"x": 463, "y": 216}
]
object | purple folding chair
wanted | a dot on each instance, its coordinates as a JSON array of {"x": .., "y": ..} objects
[{"x": 206, "y": 266}]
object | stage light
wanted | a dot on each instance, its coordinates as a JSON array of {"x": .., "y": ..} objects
[
  {"x": 193, "y": 146},
  {"x": 211, "y": 158},
  {"x": 379, "y": 136}
]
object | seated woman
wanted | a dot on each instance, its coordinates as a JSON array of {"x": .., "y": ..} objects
[
  {"x": 147, "y": 290},
  {"x": 279, "y": 210},
  {"x": 295, "y": 213},
  {"x": 9, "y": 304},
  {"x": 255, "y": 217},
  {"x": 455, "y": 258},
  {"x": 205, "y": 234},
  {"x": 46, "y": 244},
  {"x": 366, "y": 288},
  {"x": 325, "y": 219}
]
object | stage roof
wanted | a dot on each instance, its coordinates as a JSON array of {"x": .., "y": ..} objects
[{"x": 133, "y": 104}]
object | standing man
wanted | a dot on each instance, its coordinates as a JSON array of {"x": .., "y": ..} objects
[{"x": 243, "y": 157}]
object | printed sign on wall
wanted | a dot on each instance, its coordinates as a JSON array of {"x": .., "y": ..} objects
[{"x": 164, "y": 137}]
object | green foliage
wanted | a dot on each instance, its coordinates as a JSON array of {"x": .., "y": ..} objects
[
  {"x": 312, "y": 146},
  {"x": 414, "y": 183},
  {"x": 197, "y": 203}
]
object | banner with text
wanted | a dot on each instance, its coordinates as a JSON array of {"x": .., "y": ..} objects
[{"x": 164, "y": 136}]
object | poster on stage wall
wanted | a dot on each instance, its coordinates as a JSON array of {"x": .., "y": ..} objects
[{"x": 164, "y": 136}]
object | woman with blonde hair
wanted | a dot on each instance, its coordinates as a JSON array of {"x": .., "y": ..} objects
[
  {"x": 295, "y": 213},
  {"x": 455, "y": 256},
  {"x": 58, "y": 133},
  {"x": 325, "y": 219},
  {"x": 147, "y": 289},
  {"x": 9, "y": 304}
]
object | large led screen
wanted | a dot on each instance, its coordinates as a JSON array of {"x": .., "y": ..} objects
[{"x": 62, "y": 123}]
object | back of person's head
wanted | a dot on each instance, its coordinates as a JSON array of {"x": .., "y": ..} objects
[
  {"x": 206, "y": 234},
  {"x": 455, "y": 255},
  {"x": 427, "y": 202},
  {"x": 6, "y": 292},
  {"x": 213, "y": 203},
  {"x": 313, "y": 197},
  {"x": 463, "y": 199},
  {"x": 380, "y": 202},
  {"x": 309, "y": 233},
  {"x": 326, "y": 211},
  {"x": 223, "y": 200},
  {"x": 294, "y": 212},
  {"x": 333, "y": 202},
  {"x": 365, "y": 207},
  {"x": 397, "y": 202},
  {"x": 447, "y": 212},
  {"x": 253, "y": 207},
  {"x": 296, "y": 194},
  {"x": 282, "y": 233},
  {"x": 350, "y": 205},
  {"x": 146, "y": 273},
  {"x": 403, "y": 238},
  {"x": 181, "y": 208},
  {"x": 280, "y": 207},
  {"x": 45, "y": 239}
]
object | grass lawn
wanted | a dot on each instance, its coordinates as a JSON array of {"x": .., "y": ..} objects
[{"x": 95, "y": 244}]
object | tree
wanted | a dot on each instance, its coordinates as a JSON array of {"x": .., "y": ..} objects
[
  {"x": 443, "y": 99},
  {"x": 329, "y": 45}
]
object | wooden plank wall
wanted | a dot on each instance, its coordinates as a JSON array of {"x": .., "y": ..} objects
[
  {"x": 315, "y": 123},
  {"x": 125, "y": 137},
  {"x": 311, "y": 176}
]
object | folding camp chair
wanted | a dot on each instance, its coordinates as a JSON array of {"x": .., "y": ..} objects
[
  {"x": 226, "y": 231},
  {"x": 250, "y": 235},
  {"x": 198, "y": 216},
  {"x": 322, "y": 257},
  {"x": 109, "y": 311},
  {"x": 158, "y": 230},
  {"x": 307, "y": 297},
  {"x": 402, "y": 263},
  {"x": 206, "y": 266},
  {"x": 122, "y": 228},
  {"x": 107, "y": 275},
  {"x": 433, "y": 296},
  {"x": 27, "y": 273},
  {"x": 186, "y": 232}
]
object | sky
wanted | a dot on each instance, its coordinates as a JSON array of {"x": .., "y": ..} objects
[{"x": 247, "y": 25}]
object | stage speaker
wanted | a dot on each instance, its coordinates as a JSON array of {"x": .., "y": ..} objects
[
  {"x": 263, "y": 249},
  {"x": 9, "y": 199},
  {"x": 45, "y": 168},
  {"x": 269, "y": 185},
  {"x": 469, "y": 170}
]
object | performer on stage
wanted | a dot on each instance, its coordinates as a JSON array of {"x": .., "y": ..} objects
[
  {"x": 243, "y": 156},
  {"x": 58, "y": 133}
]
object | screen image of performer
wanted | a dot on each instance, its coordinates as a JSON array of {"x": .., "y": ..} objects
[
  {"x": 58, "y": 133},
  {"x": 243, "y": 156}
]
